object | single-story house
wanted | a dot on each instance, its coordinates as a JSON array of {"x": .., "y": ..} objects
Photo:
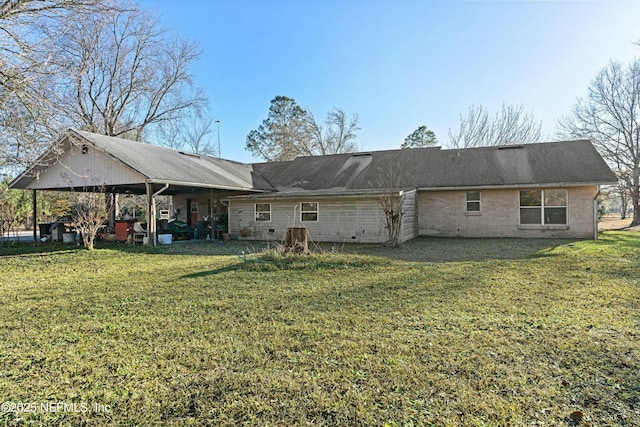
[{"x": 528, "y": 190}]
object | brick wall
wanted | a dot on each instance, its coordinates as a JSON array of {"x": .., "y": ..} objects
[{"x": 443, "y": 213}]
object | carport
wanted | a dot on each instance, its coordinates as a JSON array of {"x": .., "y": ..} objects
[{"x": 86, "y": 162}]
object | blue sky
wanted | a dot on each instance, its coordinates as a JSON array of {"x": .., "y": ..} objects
[{"x": 397, "y": 64}]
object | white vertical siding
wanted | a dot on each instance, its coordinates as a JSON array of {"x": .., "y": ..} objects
[
  {"x": 409, "y": 228},
  {"x": 82, "y": 170}
]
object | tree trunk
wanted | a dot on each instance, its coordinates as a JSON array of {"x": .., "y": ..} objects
[
  {"x": 635, "y": 200},
  {"x": 296, "y": 241},
  {"x": 624, "y": 201},
  {"x": 636, "y": 213}
]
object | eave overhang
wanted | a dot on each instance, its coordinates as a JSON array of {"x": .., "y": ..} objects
[
  {"x": 514, "y": 186},
  {"x": 351, "y": 194}
]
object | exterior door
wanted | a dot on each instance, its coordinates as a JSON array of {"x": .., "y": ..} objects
[{"x": 192, "y": 216}]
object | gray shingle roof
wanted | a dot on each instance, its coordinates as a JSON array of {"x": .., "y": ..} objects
[
  {"x": 555, "y": 163},
  {"x": 160, "y": 164},
  {"x": 551, "y": 164}
]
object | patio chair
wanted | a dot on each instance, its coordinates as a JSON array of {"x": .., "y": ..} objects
[{"x": 139, "y": 233}]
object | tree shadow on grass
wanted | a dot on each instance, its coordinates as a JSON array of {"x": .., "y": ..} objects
[
  {"x": 445, "y": 249},
  {"x": 622, "y": 239},
  {"x": 421, "y": 249},
  {"x": 265, "y": 264},
  {"x": 213, "y": 272},
  {"x": 203, "y": 247},
  {"x": 36, "y": 248}
]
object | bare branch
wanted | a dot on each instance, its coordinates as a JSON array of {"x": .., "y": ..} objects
[
  {"x": 610, "y": 116},
  {"x": 89, "y": 209},
  {"x": 511, "y": 125},
  {"x": 29, "y": 33},
  {"x": 392, "y": 202},
  {"x": 126, "y": 74}
]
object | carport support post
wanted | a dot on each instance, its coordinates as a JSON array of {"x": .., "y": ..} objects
[
  {"x": 212, "y": 233},
  {"x": 151, "y": 214},
  {"x": 152, "y": 209},
  {"x": 112, "y": 208},
  {"x": 595, "y": 216},
  {"x": 34, "y": 200}
]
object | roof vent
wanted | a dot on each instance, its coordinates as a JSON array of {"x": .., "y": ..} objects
[
  {"x": 197, "y": 156},
  {"x": 361, "y": 154},
  {"x": 509, "y": 147}
]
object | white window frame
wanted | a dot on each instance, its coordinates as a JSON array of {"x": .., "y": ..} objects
[
  {"x": 479, "y": 202},
  {"x": 543, "y": 206},
  {"x": 258, "y": 217},
  {"x": 309, "y": 212}
]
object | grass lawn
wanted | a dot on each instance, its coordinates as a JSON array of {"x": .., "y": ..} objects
[{"x": 443, "y": 332}]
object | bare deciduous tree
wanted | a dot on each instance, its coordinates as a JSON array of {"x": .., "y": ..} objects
[
  {"x": 336, "y": 135},
  {"x": 193, "y": 133},
  {"x": 392, "y": 202},
  {"x": 511, "y": 125},
  {"x": 30, "y": 31},
  {"x": 30, "y": 26},
  {"x": 89, "y": 210},
  {"x": 392, "y": 206},
  {"x": 29, "y": 9},
  {"x": 170, "y": 134},
  {"x": 89, "y": 214},
  {"x": 198, "y": 130},
  {"x": 621, "y": 191},
  {"x": 122, "y": 74},
  {"x": 610, "y": 116}
]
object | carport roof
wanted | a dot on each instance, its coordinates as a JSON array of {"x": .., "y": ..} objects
[{"x": 147, "y": 163}]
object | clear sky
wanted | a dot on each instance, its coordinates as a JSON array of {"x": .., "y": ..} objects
[{"x": 397, "y": 64}]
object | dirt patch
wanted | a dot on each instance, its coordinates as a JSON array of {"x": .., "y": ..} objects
[{"x": 613, "y": 222}]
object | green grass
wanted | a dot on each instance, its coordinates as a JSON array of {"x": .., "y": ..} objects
[{"x": 445, "y": 332}]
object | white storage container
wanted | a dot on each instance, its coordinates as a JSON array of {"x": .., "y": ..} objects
[{"x": 164, "y": 239}]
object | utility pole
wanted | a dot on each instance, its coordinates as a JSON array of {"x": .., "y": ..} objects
[{"x": 219, "y": 149}]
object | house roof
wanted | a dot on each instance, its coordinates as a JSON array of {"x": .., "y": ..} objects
[
  {"x": 162, "y": 165},
  {"x": 568, "y": 163},
  {"x": 152, "y": 164}
]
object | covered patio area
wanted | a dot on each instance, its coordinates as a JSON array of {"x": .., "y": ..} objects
[{"x": 86, "y": 162}]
